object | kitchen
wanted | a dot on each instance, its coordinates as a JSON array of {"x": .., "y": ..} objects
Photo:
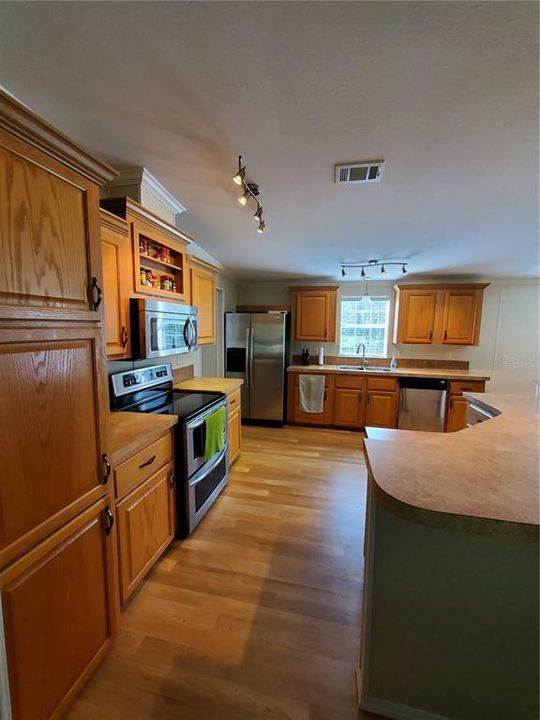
[{"x": 249, "y": 471}]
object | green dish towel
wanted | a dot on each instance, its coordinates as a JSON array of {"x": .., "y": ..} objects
[{"x": 215, "y": 433}]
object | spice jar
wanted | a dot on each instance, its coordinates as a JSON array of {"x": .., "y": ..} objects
[{"x": 143, "y": 276}]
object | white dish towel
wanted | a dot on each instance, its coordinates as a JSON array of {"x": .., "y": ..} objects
[{"x": 311, "y": 393}]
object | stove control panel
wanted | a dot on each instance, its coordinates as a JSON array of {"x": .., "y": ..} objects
[{"x": 134, "y": 380}]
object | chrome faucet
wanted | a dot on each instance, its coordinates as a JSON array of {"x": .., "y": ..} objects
[{"x": 361, "y": 345}]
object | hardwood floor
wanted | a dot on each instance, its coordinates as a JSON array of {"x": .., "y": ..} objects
[{"x": 257, "y": 615}]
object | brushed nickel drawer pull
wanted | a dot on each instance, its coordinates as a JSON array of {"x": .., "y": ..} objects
[
  {"x": 148, "y": 462},
  {"x": 97, "y": 294},
  {"x": 110, "y": 520},
  {"x": 107, "y": 464}
]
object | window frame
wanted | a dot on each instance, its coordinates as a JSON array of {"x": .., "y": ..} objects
[{"x": 387, "y": 327}]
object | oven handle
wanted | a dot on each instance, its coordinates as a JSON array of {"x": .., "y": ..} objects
[{"x": 208, "y": 468}]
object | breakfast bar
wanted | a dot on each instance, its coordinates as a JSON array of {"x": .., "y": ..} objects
[{"x": 451, "y": 573}]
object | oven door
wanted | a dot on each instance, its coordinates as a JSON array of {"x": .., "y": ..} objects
[
  {"x": 204, "y": 487},
  {"x": 168, "y": 334},
  {"x": 195, "y": 441}
]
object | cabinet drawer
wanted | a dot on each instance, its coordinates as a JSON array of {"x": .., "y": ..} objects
[
  {"x": 234, "y": 401},
  {"x": 352, "y": 382},
  {"x": 382, "y": 383},
  {"x": 134, "y": 471},
  {"x": 235, "y": 435},
  {"x": 460, "y": 386}
]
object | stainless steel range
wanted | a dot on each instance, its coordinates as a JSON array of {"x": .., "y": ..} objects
[{"x": 199, "y": 479}]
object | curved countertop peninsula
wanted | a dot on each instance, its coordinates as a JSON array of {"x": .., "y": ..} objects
[
  {"x": 451, "y": 607},
  {"x": 486, "y": 471}
]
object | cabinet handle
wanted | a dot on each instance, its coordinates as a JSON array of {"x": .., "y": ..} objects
[
  {"x": 325, "y": 332},
  {"x": 430, "y": 335},
  {"x": 172, "y": 478},
  {"x": 105, "y": 461},
  {"x": 97, "y": 295},
  {"x": 124, "y": 337},
  {"x": 368, "y": 398},
  {"x": 445, "y": 335},
  {"x": 148, "y": 462},
  {"x": 110, "y": 520}
]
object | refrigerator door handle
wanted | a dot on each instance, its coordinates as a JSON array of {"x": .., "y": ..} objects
[
  {"x": 248, "y": 355},
  {"x": 251, "y": 344}
]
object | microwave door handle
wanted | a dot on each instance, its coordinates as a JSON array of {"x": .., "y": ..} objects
[
  {"x": 186, "y": 334},
  {"x": 193, "y": 333}
]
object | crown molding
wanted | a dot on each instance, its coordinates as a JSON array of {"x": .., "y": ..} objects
[
  {"x": 142, "y": 179},
  {"x": 18, "y": 120}
]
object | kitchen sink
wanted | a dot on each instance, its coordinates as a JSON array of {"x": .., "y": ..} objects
[{"x": 370, "y": 368}]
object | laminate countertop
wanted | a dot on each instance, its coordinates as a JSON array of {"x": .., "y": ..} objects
[
  {"x": 131, "y": 432},
  {"x": 487, "y": 471},
  {"x": 441, "y": 373},
  {"x": 211, "y": 384}
]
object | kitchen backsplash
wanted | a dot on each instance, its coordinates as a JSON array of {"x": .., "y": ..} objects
[{"x": 384, "y": 362}]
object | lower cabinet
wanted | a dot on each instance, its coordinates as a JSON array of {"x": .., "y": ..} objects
[
  {"x": 146, "y": 525},
  {"x": 60, "y": 612},
  {"x": 234, "y": 432},
  {"x": 323, "y": 418},
  {"x": 381, "y": 408},
  {"x": 456, "y": 418},
  {"x": 349, "y": 408}
]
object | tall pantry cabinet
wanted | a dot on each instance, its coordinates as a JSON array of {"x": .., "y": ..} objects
[{"x": 58, "y": 576}]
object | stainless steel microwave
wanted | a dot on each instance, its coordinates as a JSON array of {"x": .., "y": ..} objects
[{"x": 162, "y": 328}]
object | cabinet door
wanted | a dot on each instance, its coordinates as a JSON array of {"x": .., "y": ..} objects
[
  {"x": 145, "y": 527},
  {"x": 349, "y": 408},
  {"x": 60, "y": 613},
  {"x": 315, "y": 312},
  {"x": 460, "y": 317},
  {"x": 49, "y": 234},
  {"x": 54, "y": 409},
  {"x": 324, "y": 418},
  {"x": 457, "y": 413},
  {"x": 381, "y": 410},
  {"x": 416, "y": 319},
  {"x": 235, "y": 434},
  {"x": 203, "y": 296},
  {"x": 117, "y": 270}
]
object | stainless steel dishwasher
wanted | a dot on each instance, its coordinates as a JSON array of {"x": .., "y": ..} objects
[{"x": 422, "y": 404}]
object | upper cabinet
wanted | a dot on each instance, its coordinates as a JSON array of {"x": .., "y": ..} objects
[
  {"x": 159, "y": 251},
  {"x": 49, "y": 223},
  {"x": 203, "y": 295},
  {"x": 315, "y": 313},
  {"x": 117, "y": 273},
  {"x": 438, "y": 314}
]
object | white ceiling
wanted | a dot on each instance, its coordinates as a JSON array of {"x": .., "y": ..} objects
[{"x": 445, "y": 92}]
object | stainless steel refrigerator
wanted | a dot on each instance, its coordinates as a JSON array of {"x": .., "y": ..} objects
[{"x": 255, "y": 350}]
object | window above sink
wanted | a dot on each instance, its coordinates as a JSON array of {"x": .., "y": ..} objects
[{"x": 364, "y": 321}]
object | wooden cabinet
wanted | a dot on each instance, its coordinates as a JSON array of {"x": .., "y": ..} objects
[
  {"x": 456, "y": 418},
  {"x": 59, "y": 613},
  {"x": 461, "y": 322},
  {"x": 381, "y": 409},
  {"x": 117, "y": 286},
  {"x": 349, "y": 408},
  {"x": 158, "y": 250},
  {"x": 416, "y": 311},
  {"x": 299, "y": 416},
  {"x": 438, "y": 314},
  {"x": 203, "y": 296},
  {"x": 234, "y": 421},
  {"x": 457, "y": 408},
  {"x": 54, "y": 405},
  {"x": 57, "y": 555},
  {"x": 315, "y": 311},
  {"x": 146, "y": 525}
]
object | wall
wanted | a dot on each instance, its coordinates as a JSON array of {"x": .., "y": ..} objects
[
  {"x": 509, "y": 338},
  {"x": 209, "y": 353}
]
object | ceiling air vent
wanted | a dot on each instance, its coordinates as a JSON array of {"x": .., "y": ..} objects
[{"x": 360, "y": 172}]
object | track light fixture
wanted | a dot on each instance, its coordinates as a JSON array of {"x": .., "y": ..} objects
[
  {"x": 251, "y": 190},
  {"x": 240, "y": 175},
  {"x": 372, "y": 264}
]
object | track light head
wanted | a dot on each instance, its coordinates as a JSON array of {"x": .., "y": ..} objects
[
  {"x": 261, "y": 227},
  {"x": 404, "y": 269},
  {"x": 244, "y": 198},
  {"x": 343, "y": 273},
  {"x": 258, "y": 213},
  {"x": 240, "y": 175},
  {"x": 383, "y": 270},
  {"x": 363, "y": 273}
]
